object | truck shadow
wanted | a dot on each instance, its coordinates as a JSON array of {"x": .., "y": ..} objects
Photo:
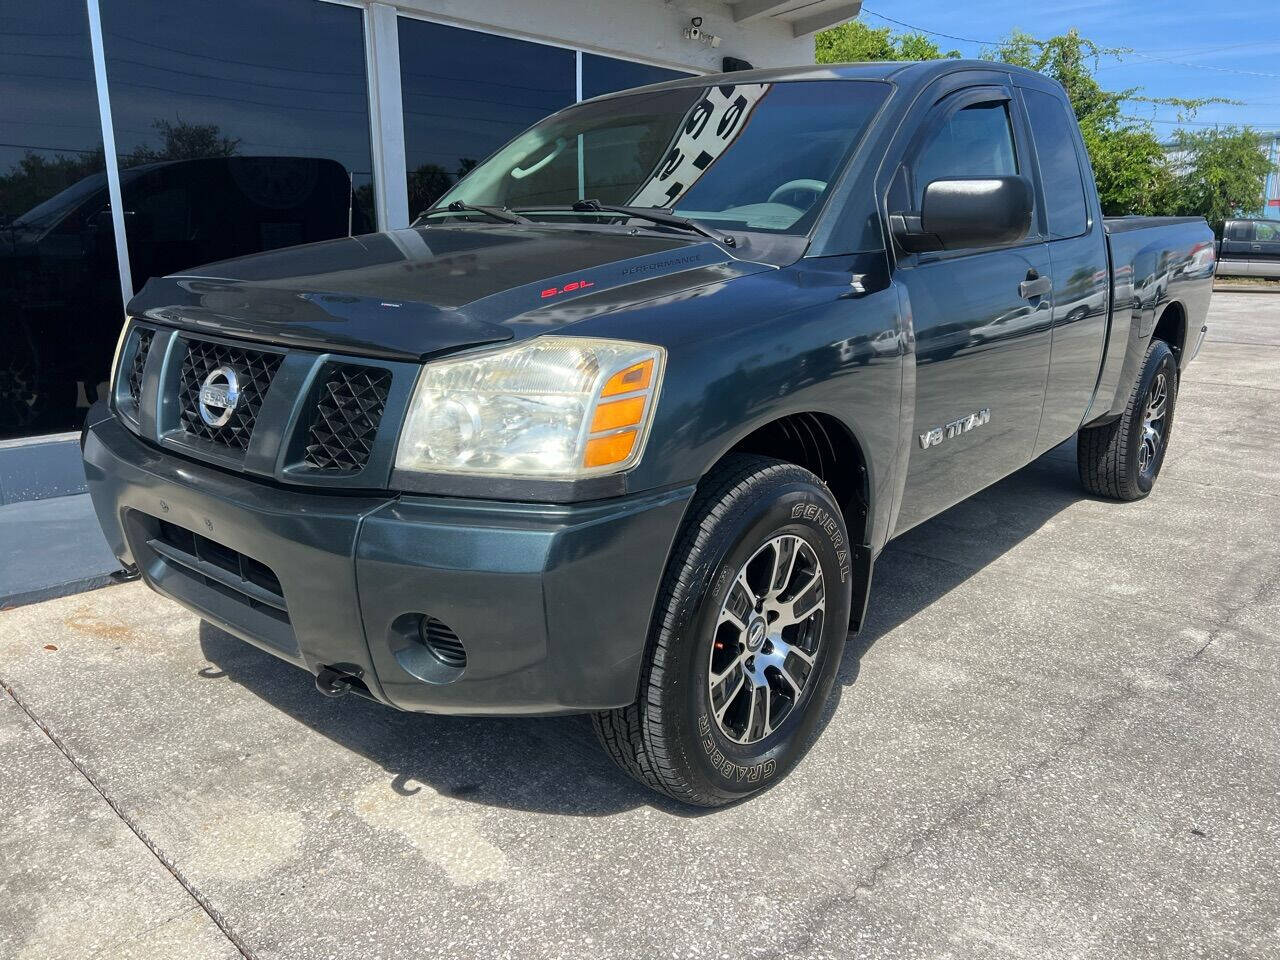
[{"x": 555, "y": 765}]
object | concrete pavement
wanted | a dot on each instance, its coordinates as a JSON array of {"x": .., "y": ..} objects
[{"x": 1058, "y": 737}]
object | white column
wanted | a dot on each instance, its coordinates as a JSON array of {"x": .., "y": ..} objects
[
  {"x": 109, "y": 148},
  {"x": 386, "y": 116},
  {"x": 582, "y": 176}
]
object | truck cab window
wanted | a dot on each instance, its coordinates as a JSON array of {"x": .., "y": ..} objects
[
  {"x": 1240, "y": 230},
  {"x": 1059, "y": 164},
  {"x": 974, "y": 142}
]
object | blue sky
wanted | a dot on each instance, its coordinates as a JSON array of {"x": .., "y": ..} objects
[{"x": 1184, "y": 48}]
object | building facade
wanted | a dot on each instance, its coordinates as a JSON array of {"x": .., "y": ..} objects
[{"x": 141, "y": 137}]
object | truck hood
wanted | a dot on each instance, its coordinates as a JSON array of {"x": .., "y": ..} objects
[{"x": 411, "y": 294}]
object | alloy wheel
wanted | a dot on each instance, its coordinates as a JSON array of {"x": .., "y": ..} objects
[
  {"x": 1154, "y": 423},
  {"x": 767, "y": 639}
]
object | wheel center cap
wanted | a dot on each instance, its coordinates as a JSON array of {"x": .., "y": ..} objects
[{"x": 755, "y": 634}]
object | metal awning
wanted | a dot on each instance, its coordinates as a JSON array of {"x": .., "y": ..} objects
[{"x": 804, "y": 16}]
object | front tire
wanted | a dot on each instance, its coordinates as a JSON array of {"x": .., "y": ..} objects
[
  {"x": 1122, "y": 459},
  {"x": 746, "y": 640}
]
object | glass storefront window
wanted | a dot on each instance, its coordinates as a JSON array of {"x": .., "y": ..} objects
[
  {"x": 601, "y": 75},
  {"x": 60, "y": 305},
  {"x": 241, "y": 126},
  {"x": 466, "y": 93}
]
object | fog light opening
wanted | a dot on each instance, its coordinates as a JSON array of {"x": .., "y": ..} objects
[
  {"x": 442, "y": 642},
  {"x": 427, "y": 648}
]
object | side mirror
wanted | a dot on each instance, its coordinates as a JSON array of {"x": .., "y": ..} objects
[{"x": 970, "y": 212}]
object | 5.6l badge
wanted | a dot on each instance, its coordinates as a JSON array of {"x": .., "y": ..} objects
[{"x": 931, "y": 438}]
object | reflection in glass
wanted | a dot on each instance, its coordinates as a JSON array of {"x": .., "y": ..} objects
[
  {"x": 59, "y": 283},
  {"x": 601, "y": 75},
  {"x": 747, "y": 156},
  {"x": 466, "y": 93},
  {"x": 241, "y": 127},
  {"x": 1053, "y": 130},
  {"x": 974, "y": 142}
]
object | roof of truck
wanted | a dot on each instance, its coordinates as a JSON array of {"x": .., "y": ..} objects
[{"x": 907, "y": 73}]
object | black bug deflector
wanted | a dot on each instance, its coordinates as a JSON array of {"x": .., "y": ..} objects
[{"x": 410, "y": 293}]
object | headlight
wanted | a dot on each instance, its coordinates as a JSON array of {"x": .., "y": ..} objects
[{"x": 559, "y": 407}]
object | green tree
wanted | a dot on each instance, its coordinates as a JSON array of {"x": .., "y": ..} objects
[
  {"x": 1220, "y": 174},
  {"x": 1214, "y": 174},
  {"x": 1131, "y": 169},
  {"x": 855, "y": 42},
  {"x": 1130, "y": 164}
]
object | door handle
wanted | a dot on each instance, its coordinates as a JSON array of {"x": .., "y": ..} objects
[
  {"x": 1034, "y": 286},
  {"x": 1256, "y": 246}
]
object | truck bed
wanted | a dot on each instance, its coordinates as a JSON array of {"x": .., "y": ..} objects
[
  {"x": 1149, "y": 258},
  {"x": 1118, "y": 225}
]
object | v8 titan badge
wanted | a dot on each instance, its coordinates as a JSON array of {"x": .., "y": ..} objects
[{"x": 931, "y": 438}]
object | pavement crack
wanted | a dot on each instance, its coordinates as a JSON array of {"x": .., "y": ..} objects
[
  {"x": 165, "y": 860},
  {"x": 109, "y": 948}
]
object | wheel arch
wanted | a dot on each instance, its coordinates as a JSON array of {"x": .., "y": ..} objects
[
  {"x": 829, "y": 448},
  {"x": 1171, "y": 327}
]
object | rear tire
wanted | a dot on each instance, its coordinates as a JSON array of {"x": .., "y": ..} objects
[
  {"x": 747, "y": 637},
  {"x": 1122, "y": 459}
]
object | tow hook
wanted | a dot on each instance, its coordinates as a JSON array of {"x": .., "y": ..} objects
[{"x": 333, "y": 683}]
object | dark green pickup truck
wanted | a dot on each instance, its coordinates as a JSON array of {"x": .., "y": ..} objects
[{"x": 621, "y": 426}]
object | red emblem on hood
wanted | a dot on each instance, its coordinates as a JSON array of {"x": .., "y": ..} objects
[{"x": 567, "y": 288}]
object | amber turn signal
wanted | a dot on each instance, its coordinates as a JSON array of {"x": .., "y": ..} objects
[
  {"x": 614, "y": 448},
  {"x": 638, "y": 376},
  {"x": 618, "y": 413}
]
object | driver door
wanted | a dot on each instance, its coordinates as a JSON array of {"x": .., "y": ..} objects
[{"x": 981, "y": 317}]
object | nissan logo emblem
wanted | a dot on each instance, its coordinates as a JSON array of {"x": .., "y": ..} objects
[{"x": 219, "y": 395}]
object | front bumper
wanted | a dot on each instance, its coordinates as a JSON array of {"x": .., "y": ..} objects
[{"x": 552, "y": 602}]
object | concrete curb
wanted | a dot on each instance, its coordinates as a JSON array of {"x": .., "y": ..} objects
[
  {"x": 52, "y": 592},
  {"x": 1249, "y": 289}
]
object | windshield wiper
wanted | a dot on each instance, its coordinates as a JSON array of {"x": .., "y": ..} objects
[
  {"x": 460, "y": 206},
  {"x": 657, "y": 215}
]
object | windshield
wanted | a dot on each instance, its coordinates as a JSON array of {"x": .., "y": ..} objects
[{"x": 746, "y": 156}]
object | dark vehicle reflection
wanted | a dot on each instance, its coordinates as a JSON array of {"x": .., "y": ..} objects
[
  {"x": 59, "y": 281},
  {"x": 942, "y": 341}
]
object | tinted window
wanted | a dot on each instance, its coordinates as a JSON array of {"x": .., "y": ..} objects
[
  {"x": 1268, "y": 230},
  {"x": 241, "y": 126},
  {"x": 752, "y": 156},
  {"x": 467, "y": 93},
  {"x": 975, "y": 142},
  {"x": 59, "y": 283},
  {"x": 1239, "y": 230},
  {"x": 1064, "y": 195},
  {"x": 601, "y": 75}
]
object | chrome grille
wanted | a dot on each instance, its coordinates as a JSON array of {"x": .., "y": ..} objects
[
  {"x": 345, "y": 418},
  {"x": 255, "y": 369}
]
